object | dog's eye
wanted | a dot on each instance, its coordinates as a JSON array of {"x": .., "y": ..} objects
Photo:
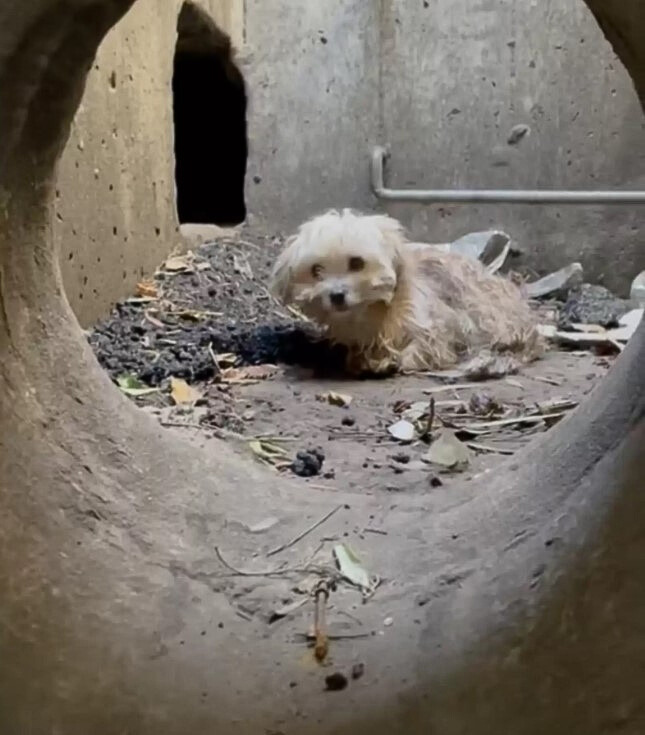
[
  {"x": 316, "y": 270},
  {"x": 356, "y": 263}
]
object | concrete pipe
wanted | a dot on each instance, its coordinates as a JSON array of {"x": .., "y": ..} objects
[{"x": 519, "y": 612}]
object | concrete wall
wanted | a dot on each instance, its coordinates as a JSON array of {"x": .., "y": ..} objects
[
  {"x": 460, "y": 74},
  {"x": 313, "y": 76},
  {"x": 115, "y": 213},
  {"x": 442, "y": 81},
  {"x": 448, "y": 82}
]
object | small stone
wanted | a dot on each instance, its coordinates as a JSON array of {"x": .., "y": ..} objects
[
  {"x": 435, "y": 481},
  {"x": 348, "y": 421},
  {"x": 308, "y": 462},
  {"x": 358, "y": 670},
  {"x": 388, "y": 622},
  {"x": 592, "y": 304},
  {"x": 335, "y": 682},
  {"x": 518, "y": 133}
]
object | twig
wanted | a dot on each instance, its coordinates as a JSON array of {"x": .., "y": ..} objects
[
  {"x": 350, "y": 616},
  {"x": 245, "y": 573},
  {"x": 336, "y": 636},
  {"x": 486, "y": 425},
  {"x": 380, "y": 531},
  {"x": 428, "y": 428},
  {"x": 297, "y": 314},
  {"x": 321, "y": 645},
  {"x": 213, "y": 356},
  {"x": 276, "y": 438},
  {"x": 307, "y": 568},
  {"x": 336, "y": 433},
  {"x": 300, "y": 536},
  {"x": 182, "y": 424},
  {"x": 546, "y": 379},
  {"x": 450, "y": 386},
  {"x": 488, "y": 448},
  {"x": 240, "y": 381}
]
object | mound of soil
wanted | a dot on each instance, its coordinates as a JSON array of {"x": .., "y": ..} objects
[{"x": 220, "y": 305}]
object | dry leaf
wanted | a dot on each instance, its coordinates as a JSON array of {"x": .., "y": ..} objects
[
  {"x": 335, "y": 399},
  {"x": 448, "y": 451},
  {"x": 402, "y": 430},
  {"x": 224, "y": 359},
  {"x": 250, "y": 372},
  {"x": 147, "y": 289},
  {"x": 351, "y": 569},
  {"x": 179, "y": 263},
  {"x": 268, "y": 452},
  {"x": 181, "y": 392},
  {"x": 132, "y": 386},
  {"x": 416, "y": 410}
]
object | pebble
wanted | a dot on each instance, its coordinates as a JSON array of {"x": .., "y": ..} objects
[
  {"x": 308, "y": 462},
  {"x": 335, "y": 682}
]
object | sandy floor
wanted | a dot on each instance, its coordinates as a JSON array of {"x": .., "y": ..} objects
[{"x": 217, "y": 306}]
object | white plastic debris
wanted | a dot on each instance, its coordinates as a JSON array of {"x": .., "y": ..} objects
[
  {"x": 448, "y": 451},
  {"x": 628, "y": 324},
  {"x": 565, "y": 278},
  {"x": 402, "y": 430},
  {"x": 351, "y": 569},
  {"x": 637, "y": 291},
  {"x": 491, "y": 247}
]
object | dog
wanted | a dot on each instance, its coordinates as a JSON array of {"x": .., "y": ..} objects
[{"x": 398, "y": 305}]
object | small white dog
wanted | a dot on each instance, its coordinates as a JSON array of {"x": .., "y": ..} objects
[{"x": 398, "y": 305}]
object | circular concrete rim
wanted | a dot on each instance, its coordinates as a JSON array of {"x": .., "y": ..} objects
[{"x": 530, "y": 623}]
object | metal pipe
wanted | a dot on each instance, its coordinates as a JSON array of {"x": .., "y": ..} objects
[{"x": 493, "y": 196}]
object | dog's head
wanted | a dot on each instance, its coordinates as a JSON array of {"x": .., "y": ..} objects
[{"x": 340, "y": 262}]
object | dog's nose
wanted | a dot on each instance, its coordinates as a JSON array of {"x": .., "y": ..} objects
[{"x": 337, "y": 298}]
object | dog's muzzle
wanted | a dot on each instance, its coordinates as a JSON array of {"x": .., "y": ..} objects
[{"x": 338, "y": 299}]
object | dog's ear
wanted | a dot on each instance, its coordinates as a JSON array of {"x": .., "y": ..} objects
[
  {"x": 393, "y": 236},
  {"x": 280, "y": 284}
]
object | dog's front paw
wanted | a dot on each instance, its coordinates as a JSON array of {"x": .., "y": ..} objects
[{"x": 358, "y": 364}]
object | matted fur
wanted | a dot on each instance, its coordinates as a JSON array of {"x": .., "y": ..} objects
[{"x": 410, "y": 306}]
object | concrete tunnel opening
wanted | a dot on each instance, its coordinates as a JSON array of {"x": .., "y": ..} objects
[
  {"x": 209, "y": 112},
  {"x": 130, "y": 583}
]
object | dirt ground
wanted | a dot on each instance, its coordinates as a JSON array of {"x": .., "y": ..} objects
[{"x": 206, "y": 319}]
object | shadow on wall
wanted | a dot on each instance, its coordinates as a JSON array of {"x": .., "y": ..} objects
[{"x": 209, "y": 107}]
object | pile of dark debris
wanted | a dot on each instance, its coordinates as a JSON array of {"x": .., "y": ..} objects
[
  {"x": 200, "y": 305},
  {"x": 197, "y": 307}
]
